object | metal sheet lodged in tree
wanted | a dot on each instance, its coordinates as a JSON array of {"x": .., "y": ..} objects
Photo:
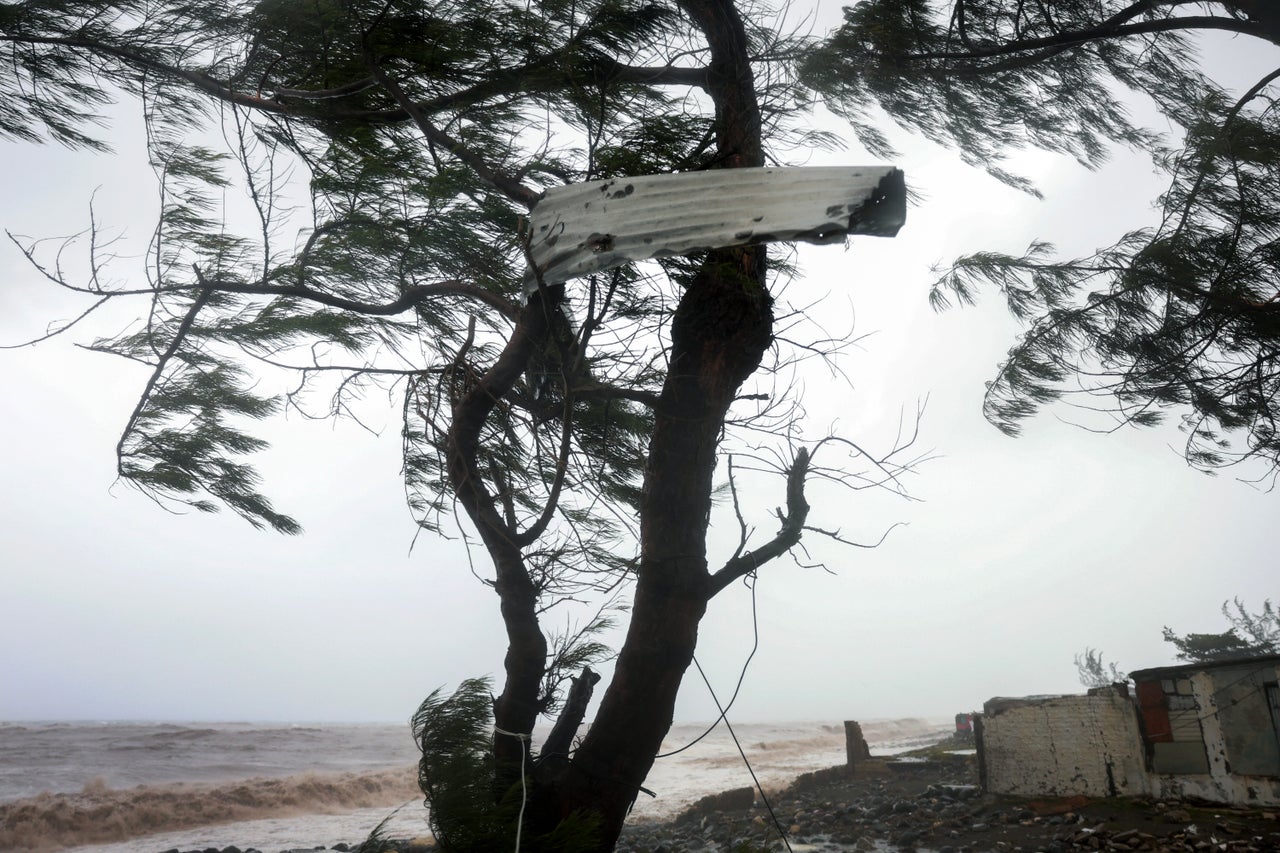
[{"x": 582, "y": 228}]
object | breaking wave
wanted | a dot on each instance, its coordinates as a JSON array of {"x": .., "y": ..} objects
[{"x": 100, "y": 814}]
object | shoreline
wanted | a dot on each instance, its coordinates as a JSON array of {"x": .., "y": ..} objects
[{"x": 930, "y": 806}]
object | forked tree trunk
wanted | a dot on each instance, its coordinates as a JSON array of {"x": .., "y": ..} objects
[
  {"x": 719, "y": 335},
  {"x": 720, "y": 332}
]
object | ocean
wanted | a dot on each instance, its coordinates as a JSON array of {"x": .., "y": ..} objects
[{"x": 131, "y": 787}]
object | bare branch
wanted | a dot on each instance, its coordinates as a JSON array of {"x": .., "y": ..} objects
[
  {"x": 835, "y": 534},
  {"x": 60, "y": 329},
  {"x": 789, "y": 532}
]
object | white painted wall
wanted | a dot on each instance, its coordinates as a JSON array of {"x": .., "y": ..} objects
[{"x": 1065, "y": 745}]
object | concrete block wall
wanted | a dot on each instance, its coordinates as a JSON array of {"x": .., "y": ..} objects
[
  {"x": 1231, "y": 691},
  {"x": 1064, "y": 745}
]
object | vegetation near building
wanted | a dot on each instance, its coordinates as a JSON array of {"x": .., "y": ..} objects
[
  {"x": 1250, "y": 635},
  {"x": 576, "y": 433},
  {"x": 1094, "y": 671}
]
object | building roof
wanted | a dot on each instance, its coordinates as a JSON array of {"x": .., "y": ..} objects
[{"x": 1159, "y": 672}]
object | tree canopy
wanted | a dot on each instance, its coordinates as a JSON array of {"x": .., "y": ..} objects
[
  {"x": 389, "y": 154},
  {"x": 1250, "y": 634},
  {"x": 1179, "y": 318}
]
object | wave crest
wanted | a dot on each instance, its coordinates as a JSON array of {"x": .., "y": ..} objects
[{"x": 101, "y": 814}]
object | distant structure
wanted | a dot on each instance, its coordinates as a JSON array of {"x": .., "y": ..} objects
[
  {"x": 856, "y": 750},
  {"x": 1205, "y": 730}
]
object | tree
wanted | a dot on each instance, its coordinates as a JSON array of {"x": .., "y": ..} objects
[
  {"x": 1181, "y": 317},
  {"x": 574, "y": 432},
  {"x": 1206, "y": 648},
  {"x": 1095, "y": 672},
  {"x": 1262, "y": 629},
  {"x": 1250, "y": 634}
]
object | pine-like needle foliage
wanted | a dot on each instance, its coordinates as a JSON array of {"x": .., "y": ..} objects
[
  {"x": 343, "y": 187},
  {"x": 1182, "y": 317},
  {"x": 1250, "y": 634},
  {"x": 453, "y": 733},
  {"x": 400, "y": 143},
  {"x": 1095, "y": 671}
]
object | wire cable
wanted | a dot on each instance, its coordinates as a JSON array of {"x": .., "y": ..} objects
[
  {"x": 755, "y": 644},
  {"x": 763, "y": 797},
  {"x": 524, "y": 788}
]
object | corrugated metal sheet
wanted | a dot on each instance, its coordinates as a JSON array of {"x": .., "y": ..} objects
[{"x": 583, "y": 228}]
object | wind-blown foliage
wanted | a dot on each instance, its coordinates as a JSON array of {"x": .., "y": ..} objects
[
  {"x": 1182, "y": 317},
  {"x": 1095, "y": 671},
  {"x": 386, "y": 153},
  {"x": 1262, "y": 629},
  {"x": 343, "y": 187},
  {"x": 454, "y": 734},
  {"x": 1250, "y": 634},
  {"x": 1208, "y": 648},
  {"x": 387, "y": 263}
]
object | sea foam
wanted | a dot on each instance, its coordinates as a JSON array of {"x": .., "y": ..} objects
[{"x": 100, "y": 814}]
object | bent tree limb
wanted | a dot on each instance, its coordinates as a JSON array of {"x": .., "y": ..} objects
[
  {"x": 516, "y": 708},
  {"x": 787, "y": 537}
]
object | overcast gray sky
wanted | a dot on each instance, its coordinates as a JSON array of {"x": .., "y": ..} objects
[{"x": 1018, "y": 554}]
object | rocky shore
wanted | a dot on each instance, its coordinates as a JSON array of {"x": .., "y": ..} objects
[
  {"x": 936, "y": 806},
  {"x": 931, "y": 805}
]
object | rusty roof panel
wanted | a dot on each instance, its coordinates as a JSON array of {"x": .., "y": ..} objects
[{"x": 583, "y": 228}]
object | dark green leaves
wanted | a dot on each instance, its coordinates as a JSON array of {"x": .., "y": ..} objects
[
  {"x": 957, "y": 77},
  {"x": 1182, "y": 316},
  {"x": 453, "y": 734}
]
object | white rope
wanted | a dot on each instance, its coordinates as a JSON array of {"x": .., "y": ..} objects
[{"x": 524, "y": 790}]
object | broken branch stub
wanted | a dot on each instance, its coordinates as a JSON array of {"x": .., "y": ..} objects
[{"x": 583, "y": 228}]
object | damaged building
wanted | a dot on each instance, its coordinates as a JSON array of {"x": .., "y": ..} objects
[{"x": 1209, "y": 731}]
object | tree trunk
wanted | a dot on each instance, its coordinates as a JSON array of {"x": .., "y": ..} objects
[{"x": 719, "y": 334}]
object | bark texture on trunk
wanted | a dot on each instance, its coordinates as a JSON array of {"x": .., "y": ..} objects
[
  {"x": 719, "y": 334},
  {"x": 721, "y": 330}
]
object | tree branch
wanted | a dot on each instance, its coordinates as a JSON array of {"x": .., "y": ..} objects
[
  {"x": 560, "y": 740},
  {"x": 410, "y": 298},
  {"x": 788, "y": 535},
  {"x": 835, "y": 534},
  {"x": 202, "y": 82},
  {"x": 1048, "y": 46},
  {"x": 594, "y": 390},
  {"x": 178, "y": 337},
  {"x": 504, "y": 183}
]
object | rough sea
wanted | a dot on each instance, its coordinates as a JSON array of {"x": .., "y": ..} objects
[{"x": 124, "y": 787}]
